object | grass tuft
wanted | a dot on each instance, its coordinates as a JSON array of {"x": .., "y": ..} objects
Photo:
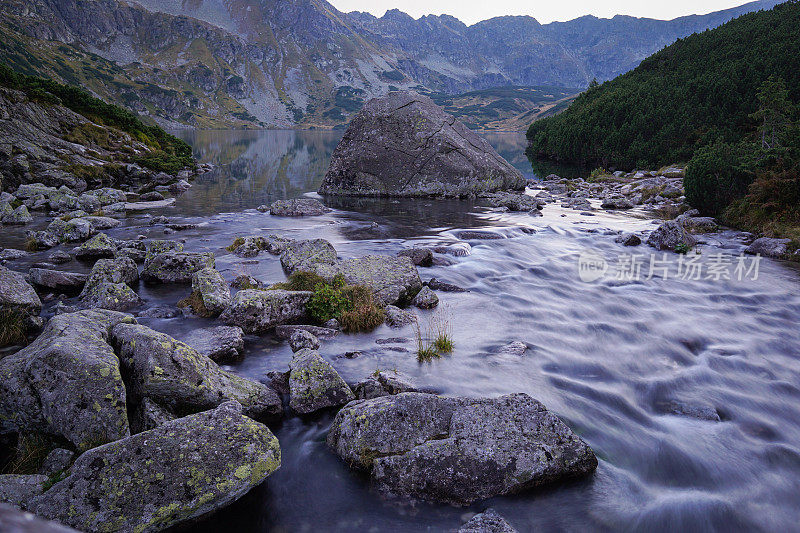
[{"x": 12, "y": 327}]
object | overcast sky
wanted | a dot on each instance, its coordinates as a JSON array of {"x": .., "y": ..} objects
[{"x": 471, "y": 11}]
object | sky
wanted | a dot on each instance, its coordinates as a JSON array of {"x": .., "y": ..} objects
[{"x": 472, "y": 11}]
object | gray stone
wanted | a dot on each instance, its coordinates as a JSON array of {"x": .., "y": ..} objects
[
  {"x": 457, "y": 450},
  {"x": 13, "y": 520},
  {"x": 257, "y": 311},
  {"x": 17, "y": 295},
  {"x": 41, "y": 240},
  {"x": 223, "y": 344},
  {"x": 9, "y": 254},
  {"x": 285, "y": 332},
  {"x": 20, "y": 489},
  {"x": 254, "y": 244},
  {"x": 629, "y": 239},
  {"x": 515, "y": 202},
  {"x": 669, "y": 235},
  {"x": 297, "y": 207},
  {"x": 179, "y": 471},
  {"x": 514, "y": 348},
  {"x": 306, "y": 255},
  {"x": 59, "y": 257},
  {"x": 152, "y": 196},
  {"x": 108, "y": 196},
  {"x": 618, "y": 202},
  {"x": 473, "y": 235},
  {"x": 181, "y": 380},
  {"x": 699, "y": 224},
  {"x": 73, "y": 230},
  {"x": 487, "y": 522},
  {"x": 419, "y": 256},
  {"x": 101, "y": 245},
  {"x": 119, "y": 270},
  {"x": 111, "y": 296},
  {"x": 17, "y": 217},
  {"x": 426, "y": 299},
  {"x": 57, "y": 460},
  {"x": 768, "y": 247},
  {"x": 67, "y": 383},
  {"x": 383, "y": 383},
  {"x": 175, "y": 267},
  {"x": 212, "y": 289},
  {"x": 301, "y": 340},
  {"x": 397, "y": 318},
  {"x": 246, "y": 281},
  {"x": 314, "y": 384},
  {"x": 391, "y": 279},
  {"x": 405, "y": 145},
  {"x": 57, "y": 280},
  {"x": 443, "y": 286}
]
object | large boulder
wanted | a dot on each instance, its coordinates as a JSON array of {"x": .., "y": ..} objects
[
  {"x": 392, "y": 279},
  {"x": 101, "y": 245},
  {"x": 210, "y": 288},
  {"x": 67, "y": 383},
  {"x": 181, "y": 470},
  {"x": 314, "y": 384},
  {"x": 17, "y": 217},
  {"x": 109, "y": 285},
  {"x": 20, "y": 489},
  {"x": 306, "y": 255},
  {"x": 258, "y": 311},
  {"x": 57, "y": 280},
  {"x": 669, "y": 235},
  {"x": 383, "y": 383},
  {"x": 181, "y": 380},
  {"x": 72, "y": 230},
  {"x": 223, "y": 344},
  {"x": 175, "y": 267},
  {"x": 457, "y": 450},
  {"x": 768, "y": 247},
  {"x": 405, "y": 145},
  {"x": 16, "y": 295}
]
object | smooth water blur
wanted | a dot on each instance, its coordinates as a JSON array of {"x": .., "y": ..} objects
[{"x": 611, "y": 358}]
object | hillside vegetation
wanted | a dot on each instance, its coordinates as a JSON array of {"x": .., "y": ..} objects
[{"x": 724, "y": 100}]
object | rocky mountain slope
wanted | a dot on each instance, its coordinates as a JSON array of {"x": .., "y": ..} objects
[{"x": 263, "y": 63}]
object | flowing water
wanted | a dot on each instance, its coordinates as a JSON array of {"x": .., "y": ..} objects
[{"x": 688, "y": 390}]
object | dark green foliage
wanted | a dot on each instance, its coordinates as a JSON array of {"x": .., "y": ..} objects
[
  {"x": 328, "y": 301},
  {"x": 715, "y": 177},
  {"x": 174, "y": 150},
  {"x": 699, "y": 90}
]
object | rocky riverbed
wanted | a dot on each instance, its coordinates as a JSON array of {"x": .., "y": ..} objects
[{"x": 630, "y": 393}]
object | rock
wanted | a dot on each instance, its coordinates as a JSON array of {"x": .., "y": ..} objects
[
  {"x": 101, "y": 245},
  {"x": 336, "y": 326},
  {"x": 459, "y": 249},
  {"x": 17, "y": 217},
  {"x": 383, "y": 383},
  {"x": 160, "y": 478},
  {"x": 616, "y": 203},
  {"x": 419, "y": 256},
  {"x": 699, "y": 224},
  {"x": 141, "y": 206},
  {"x": 181, "y": 226},
  {"x": 471, "y": 235},
  {"x": 426, "y": 299},
  {"x": 457, "y": 450},
  {"x": 73, "y": 230},
  {"x": 223, "y": 344},
  {"x": 681, "y": 408},
  {"x": 212, "y": 290},
  {"x": 629, "y": 239},
  {"x": 180, "y": 187},
  {"x": 392, "y": 279},
  {"x": 405, "y": 145},
  {"x": 161, "y": 311},
  {"x": 297, "y": 207},
  {"x": 263, "y": 208},
  {"x": 111, "y": 296},
  {"x": 303, "y": 340},
  {"x": 101, "y": 223},
  {"x": 58, "y": 460},
  {"x": 306, "y": 255},
  {"x": 775, "y": 248},
  {"x": 20, "y": 489},
  {"x": 67, "y": 383},
  {"x": 159, "y": 246},
  {"x": 314, "y": 384},
  {"x": 442, "y": 286},
  {"x": 119, "y": 270},
  {"x": 669, "y": 235},
  {"x": 515, "y": 202},
  {"x": 13, "y": 520},
  {"x": 175, "y": 267},
  {"x": 285, "y": 332},
  {"x": 514, "y": 348},
  {"x": 152, "y": 196},
  {"x": 246, "y": 281},
  {"x": 397, "y": 318},
  {"x": 59, "y": 258},
  {"x": 10, "y": 254},
  {"x": 16, "y": 295},
  {"x": 108, "y": 196},
  {"x": 181, "y": 380},
  {"x": 487, "y": 522},
  {"x": 257, "y": 311},
  {"x": 41, "y": 240},
  {"x": 57, "y": 280}
]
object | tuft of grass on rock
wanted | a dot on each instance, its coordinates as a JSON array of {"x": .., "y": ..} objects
[
  {"x": 12, "y": 327},
  {"x": 195, "y": 302},
  {"x": 237, "y": 242},
  {"x": 363, "y": 314}
]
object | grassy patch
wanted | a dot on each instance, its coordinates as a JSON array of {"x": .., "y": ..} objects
[
  {"x": 31, "y": 451},
  {"x": 195, "y": 302},
  {"x": 436, "y": 339},
  {"x": 12, "y": 327},
  {"x": 237, "y": 242}
]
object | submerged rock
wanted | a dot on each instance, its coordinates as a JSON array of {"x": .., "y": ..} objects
[
  {"x": 314, "y": 384},
  {"x": 297, "y": 207},
  {"x": 457, "y": 450},
  {"x": 101, "y": 245},
  {"x": 397, "y": 318},
  {"x": 419, "y": 256},
  {"x": 175, "y": 267},
  {"x": 405, "y": 145},
  {"x": 223, "y": 344},
  {"x": 514, "y": 348},
  {"x": 154, "y": 480},
  {"x": 258, "y": 311},
  {"x": 487, "y": 522},
  {"x": 285, "y": 332},
  {"x": 67, "y": 383},
  {"x": 181, "y": 380},
  {"x": 629, "y": 239}
]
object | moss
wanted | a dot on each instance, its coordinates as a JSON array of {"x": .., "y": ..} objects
[{"x": 237, "y": 242}]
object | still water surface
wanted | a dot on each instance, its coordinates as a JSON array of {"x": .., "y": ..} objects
[{"x": 612, "y": 358}]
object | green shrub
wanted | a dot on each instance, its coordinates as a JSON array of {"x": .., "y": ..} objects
[
  {"x": 715, "y": 177},
  {"x": 161, "y": 161},
  {"x": 328, "y": 301}
]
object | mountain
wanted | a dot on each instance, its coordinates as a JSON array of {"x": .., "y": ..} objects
[
  {"x": 699, "y": 90},
  {"x": 287, "y": 63}
]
